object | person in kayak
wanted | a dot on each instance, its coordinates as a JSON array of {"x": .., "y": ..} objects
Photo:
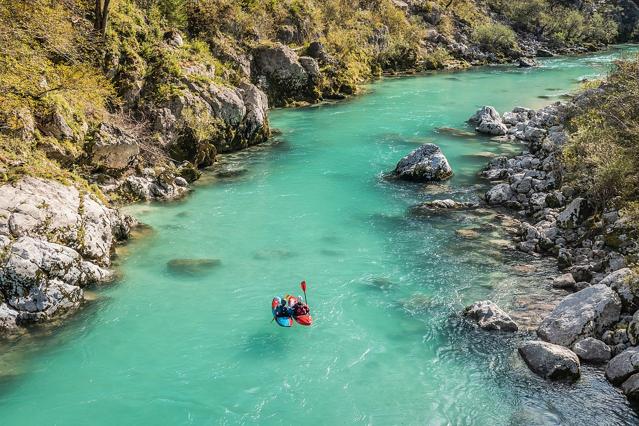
[
  {"x": 300, "y": 308},
  {"x": 283, "y": 310}
]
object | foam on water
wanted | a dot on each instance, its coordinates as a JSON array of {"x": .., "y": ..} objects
[{"x": 165, "y": 346}]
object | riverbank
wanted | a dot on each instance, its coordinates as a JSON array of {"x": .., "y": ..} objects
[{"x": 596, "y": 248}]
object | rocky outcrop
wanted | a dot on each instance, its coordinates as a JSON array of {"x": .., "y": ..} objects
[
  {"x": 54, "y": 239},
  {"x": 425, "y": 164},
  {"x": 586, "y": 313},
  {"x": 550, "y": 361},
  {"x": 442, "y": 206},
  {"x": 592, "y": 350},
  {"x": 283, "y": 75},
  {"x": 113, "y": 148},
  {"x": 488, "y": 316}
]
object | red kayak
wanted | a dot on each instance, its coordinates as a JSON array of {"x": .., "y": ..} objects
[{"x": 303, "y": 319}]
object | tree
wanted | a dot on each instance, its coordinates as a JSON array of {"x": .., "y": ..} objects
[{"x": 101, "y": 15}]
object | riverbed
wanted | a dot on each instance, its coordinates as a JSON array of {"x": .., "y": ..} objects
[{"x": 194, "y": 344}]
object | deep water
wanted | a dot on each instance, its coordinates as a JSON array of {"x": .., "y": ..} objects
[{"x": 194, "y": 344}]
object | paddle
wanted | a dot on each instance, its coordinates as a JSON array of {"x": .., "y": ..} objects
[{"x": 303, "y": 285}]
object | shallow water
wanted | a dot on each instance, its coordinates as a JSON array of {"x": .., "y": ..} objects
[{"x": 194, "y": 344}]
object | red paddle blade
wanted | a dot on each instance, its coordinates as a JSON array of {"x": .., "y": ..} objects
[{"x": 303, "y": 285}]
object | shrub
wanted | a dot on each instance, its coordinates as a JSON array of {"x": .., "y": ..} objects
[
  {"x": 602, "y": 157},
  {"x": 494, "y": 37}
]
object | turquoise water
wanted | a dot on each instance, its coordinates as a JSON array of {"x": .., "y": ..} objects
[{"x": 385, "y": 288}]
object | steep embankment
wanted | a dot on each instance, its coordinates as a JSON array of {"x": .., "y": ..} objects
[{"x": 131, "y": 108}]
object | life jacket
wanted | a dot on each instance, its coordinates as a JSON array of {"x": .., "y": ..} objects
[{"x": 300, "y": 309}]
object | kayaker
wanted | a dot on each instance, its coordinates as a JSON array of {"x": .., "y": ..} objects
[{"x": 283, "y": 310}]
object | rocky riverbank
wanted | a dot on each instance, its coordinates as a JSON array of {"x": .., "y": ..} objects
[{"x": 596, "y": 250}]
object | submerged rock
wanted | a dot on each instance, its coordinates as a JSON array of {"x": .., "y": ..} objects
[
  {"x": 583, "y": 314},
  {"x": 550, "y": 361},
  {"x": 489, "y": 316},
  {"x": 446, "y": 205},
  {"x": 192, "y": 266},
  {"x": 425, "y": 164}
]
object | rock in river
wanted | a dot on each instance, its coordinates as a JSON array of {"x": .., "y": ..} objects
[
  {"x": 583, "y": 314},
  {"x": 192, "y": 266},
  {"x": 550, "y": 361},
  {"x": 488, "y": 121},
  {"x": 592, "y": 350},
  {"x": 425, "y": 164},
  {"x": 489, "y": 316}
]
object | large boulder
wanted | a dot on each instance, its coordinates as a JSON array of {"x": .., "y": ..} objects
[
  {"x": 425, "y": 164},
  {"x": 592, "y": 350},
  {"x": 550, "y": 361},
  {"x": 630, "y": 388},
  {"x": 622, "y": 366},
  {"x": 277, "y": 69},
  {"x": 575, "y": 213},
  {"x": 499, "y": 194},
  {"x": 582, "y": 314},
  {"x": 113, "y": 148},
  {"x": 489, "y": 316},
  {"x": 626, "y": 283},
  {"x": 488, "y": 121}
]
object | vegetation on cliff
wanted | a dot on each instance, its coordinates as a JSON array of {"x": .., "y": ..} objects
[{"x": 89, "y": 80}]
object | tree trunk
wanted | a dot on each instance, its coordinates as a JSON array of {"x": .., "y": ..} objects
[{"x": 101, "y": 15}]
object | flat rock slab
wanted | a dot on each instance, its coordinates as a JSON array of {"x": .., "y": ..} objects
[
  {"x": 550, "y": 361},
  {"x": 192, "y": 266}
]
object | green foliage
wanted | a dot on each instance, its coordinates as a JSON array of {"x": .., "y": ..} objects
[
  {"x": 494, "y": 37},
  {"x": 559, "y": 23},
  {"x": 602, "y": 157}
]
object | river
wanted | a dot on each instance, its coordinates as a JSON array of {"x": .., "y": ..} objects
[{"x": 166, "y": 346}]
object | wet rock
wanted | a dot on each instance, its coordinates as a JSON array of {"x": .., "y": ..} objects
[
  {"x": 592, "y": 350},
  {"x": 489, "y": 316},
  {"x": 469, "y": 234},
  {"x": 550, "y": 361},
  {"x": 488, "y": 121},
  {"x": 622, "y": 366},
  {"x": 113, "y": 148},
  {"x": 583, "y": 314},
  {"x": 544, "y": 53},
  {"x": 425, "y": 164},
  {"x": 439, "y": 206},
  {"x": 192, "y": 266}
]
